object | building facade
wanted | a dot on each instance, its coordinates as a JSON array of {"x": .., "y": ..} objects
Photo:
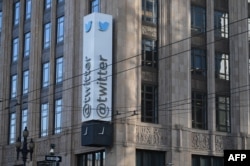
[{"x": 180, "y": 81}]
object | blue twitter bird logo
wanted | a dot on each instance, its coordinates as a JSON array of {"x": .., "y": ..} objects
[
  {"x": 88, "y": 26},
  {"x": 103, "y": 26}
]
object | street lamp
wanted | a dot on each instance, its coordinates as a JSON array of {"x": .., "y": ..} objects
[{"x": 24, "y": 150}]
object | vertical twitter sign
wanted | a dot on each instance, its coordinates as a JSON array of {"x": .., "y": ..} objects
[{"x": 97, "y": 67}]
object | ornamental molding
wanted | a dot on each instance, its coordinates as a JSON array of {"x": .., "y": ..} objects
[
  {"x": 223, "y": 142},
  {"x": 201, "y": 141},
  {"x": 151, "y": 135}
]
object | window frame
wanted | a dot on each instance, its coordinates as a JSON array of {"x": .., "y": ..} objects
[
  {"x": 45, "y": 74},
  {"x": 200, "y": 98},
  {"x": 47, "y": 4},
  {"x": 28, "y": 9},
  {"x": 150, "y": 15},
  {"x": 46, "y": 35},
  {"x": 27, "y": 39},
  {"x": 225, "y": 127},
  {"x": 196, "y": 26},
  {"x": 25, "y": 89},
  {"x": 12, "y": 128},
  {"x": 58, "y": 116},
  {"x": 198, "y": 61},
  {"x": 221, "y": 31},
  {"x": 60, "y": 30},
  {"x": 44, "y": 128},
  {"x": 59, "y": 70},
  {"x": 223, "y": 61},
  {"x": 15, "y": 49},
  {"x": 16, "y": 15},
  {"x": 13, "y": 91},
  {"x": 149, "y": 53},
  {"x": 149, "y": 115}
]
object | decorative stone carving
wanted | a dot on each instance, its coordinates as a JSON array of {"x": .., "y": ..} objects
[
  {"x": 201, "y": 141},
  {"x": 149, "y": 31},
  {"x": 222, "y": 142},
  {"x": 151, "y": 135}
]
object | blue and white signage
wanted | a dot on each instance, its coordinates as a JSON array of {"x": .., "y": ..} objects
[{"x": 97, "y": 67}]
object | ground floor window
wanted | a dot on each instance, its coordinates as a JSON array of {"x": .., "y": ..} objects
[
  {"x": 91, "y": 159},
  {"x": 149, "y": 158},
  {"x": 198, "y": 160}
]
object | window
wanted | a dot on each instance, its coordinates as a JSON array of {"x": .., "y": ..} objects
[
  {"x": 221, "y": 24},
  {"x": 46, "y": 71},
  {"x": 198, "y": 160},
  {"x": 26, "y": 44},
  {"x": 92, "y": 159},
  {"x": 47, "y": 4},
  {"x": 44, "y": 119},
  {"x": 221, "y": 66},
  {"x": 46, "y": 36},
  {"x": 16, "y": 13},
  {"x": 199, "y": 110},
  {"x": 149, "y": 53},
  {"x": 13, "y": 86},
  {"x": 223, "y": 113},
  {"x": 28, "y": 9},
  {"x": 149, "y": 103},
  {"x": 60, "y": 29},
  {"x": 25, "y": 82},
  {"x": 59, "y": 70},
  {"x": 24, "y": 120},
  {"x": 12, "y": 129},
  {"x": 60, "y": 1},
  {"x": 149, "y": 11},
  {"x": 198, "y": 19},
  {"x": 199, "y": 61},
  {"x": 15, "y": 49},
  {"x": 94, "y": 6},
  {"x": 1, "y": 19},
  {"x": 248, "y": 20},
  {"x": 58, "y": 116},
  {"x": 149, "y": 158}
]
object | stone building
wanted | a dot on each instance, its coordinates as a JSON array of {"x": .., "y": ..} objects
[{"x": 180, "y": 81}]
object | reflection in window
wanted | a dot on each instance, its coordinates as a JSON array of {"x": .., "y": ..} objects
[
  {"x": 95, "y": 6},
  {"x": 150, "y": 158},
  {"x": 198, "y": 19},
  {"x": 198, "y": 160},
  {"x": 60, "y": 29},
  {"x": 221, "y": 24},
  {"x": 58, "y": 116},
  {"x": 223, "y": 113},
  {"x": 26, "y": 44},
  {"x": 92, "y": 159},
  {"x": 16, "y": 13},
  {"x": 47, "y": 4},
  {"x": 15, "y": 49},
  {"x": 149, "y": 53},
  {"x": 1, "y": 19},
  {"x": 24, "y": 119},
  {"x": 25, "y": 82},
  {"x": 199, "y": 61},
  {"x": 12, "y": 128},
  {"x": 46, "y": 35},
  {"x": 13, "y": 86},
  {"x": 44, "y": 119},
  {"x": 28, "y": 9},
  {"x": 59, "y": 70},
  {"x": 149, "y": 11},
  {"x": 46, "y": 71},
  {"x": 199, "y": 110},
  {"x": 222, "y": 66},
  {"x": 149, "y": 109}
]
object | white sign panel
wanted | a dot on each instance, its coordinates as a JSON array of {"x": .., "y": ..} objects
[{"x": 97, "y": 67}]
